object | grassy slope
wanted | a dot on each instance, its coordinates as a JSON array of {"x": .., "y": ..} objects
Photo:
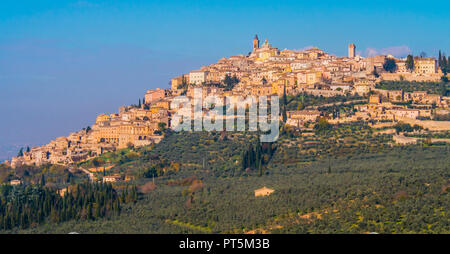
[{"x": 396, "y": 190}]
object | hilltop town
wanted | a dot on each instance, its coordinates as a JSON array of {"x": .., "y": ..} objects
[
  {"x": 266, "y": 71},
  {"x": 362, "y": 146}
]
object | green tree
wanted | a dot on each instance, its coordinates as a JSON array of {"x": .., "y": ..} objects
[
  {"x": 322, "y": 125},
  {"x": 329, "y": 165},
  {"x": 410, "y": 63},
  {"x": 264, "y": 81},
  {"x": 389, "y": 65},
  {"x": 230, "y": 82},
  {"x": 447, "y": 64},
  {"x": 42, "y": 183},
  {"x": 244, "y": 162},
  {"x": 20, "y": 153},
  {"x": 259, "y": 169},
  {"x": 443, "y": 64},
  {"x": 375, "y": 73},
  {"x": 403, "y": 127},
  {"x": 284, "y": 104},
  {"x": 162, "y": 126},
  {"x": 89, "y": 212}
]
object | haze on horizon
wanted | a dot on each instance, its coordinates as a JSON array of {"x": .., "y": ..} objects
[{"x": 64, "y": 62}]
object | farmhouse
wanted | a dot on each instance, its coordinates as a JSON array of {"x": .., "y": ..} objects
[{"x": 264, "y": 191}]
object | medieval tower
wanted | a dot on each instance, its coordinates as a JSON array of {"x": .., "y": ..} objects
[
  {"x": 256, "y": 42},
  {"x": 351, "y": 50}
]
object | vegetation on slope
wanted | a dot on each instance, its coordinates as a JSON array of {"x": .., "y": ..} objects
[
  {"x": 344, "y": 179},
  {"x": 24, "y": 206}
]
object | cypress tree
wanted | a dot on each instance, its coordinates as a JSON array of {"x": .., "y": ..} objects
[
  {"x": 249, "y": 155},
  {"x": 89, "y": 212},
  {"x": 410, "y": 63},
  {"x": 258, "y": 153},
  {"x": 42, "y": 180},
  {"x": 448, "y": 65},
  {"x": 243, "y": 160},
  {"x": 284, "y": 104},
  {"x": 135, "y": 193},
  {"x": 260, "y": 169},
  {"x": 329, "y": 165},
  {"x": 444, "y": 65},
  {"x": 97, "y": 211}
]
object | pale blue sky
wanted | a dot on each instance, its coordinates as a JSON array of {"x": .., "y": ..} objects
[{"x": 62, "y": 62}]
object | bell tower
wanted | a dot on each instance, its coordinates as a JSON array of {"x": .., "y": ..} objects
[
  {"x": 255, "y": 43},
  {"x": 351, "y": 50}
]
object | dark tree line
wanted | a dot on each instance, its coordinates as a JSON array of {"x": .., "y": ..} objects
[
  {"x": 284, "y": 105},
  {"x": 444, "y": 63},
  {"x": 25, "y": 206},
  {"x": 406, "y": 127},
  {"x": 256, "y": 156}
]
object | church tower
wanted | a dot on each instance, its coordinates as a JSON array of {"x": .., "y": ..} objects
[
  {"x": 351, "y": 50},
  {"x": 255, "y": 43}
]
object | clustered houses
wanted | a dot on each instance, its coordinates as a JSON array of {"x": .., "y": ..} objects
[
  {"x": 376, "y": 109},
  {"x": 131, "y": 126},
  {"x": 267, "y": 70},
  {"x": 300, "y": 117},
  {"x": 76, "y": 147},
  {"x": 418, "y": 97},
  {"x": 264, "y": 71}
]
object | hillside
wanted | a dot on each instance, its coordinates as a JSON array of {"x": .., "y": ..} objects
[{"x": 370, "y": 186}]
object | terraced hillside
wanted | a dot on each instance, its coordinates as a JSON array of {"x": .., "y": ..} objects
[{"x": 369, "y": 187}]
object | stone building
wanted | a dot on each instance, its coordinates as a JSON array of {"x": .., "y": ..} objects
[
  {"x": 351, "y": 50},
  {"x": 264, "y": 191},
  {"x": 154, "y": 95}
]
